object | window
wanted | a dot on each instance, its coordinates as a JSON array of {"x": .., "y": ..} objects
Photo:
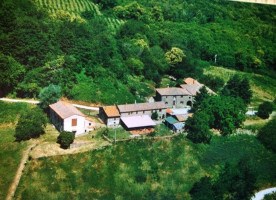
[
  {"x": 190, "y": 97},
  {"x": 166, "y": 102},
  {"x": 136, "y": 112},
  {"x": 143, "y": 112},
  {"x": 160, "y": 110},
  {"x": 74, "y": 122},
  {"x": 89, "y": 124},
  {"x": 181, "y": 102},
  {"x": 181, "y": 96}
]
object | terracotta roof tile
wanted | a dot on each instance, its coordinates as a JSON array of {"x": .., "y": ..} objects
[
  {"x": 111, "y": 111},
  {"x": 190, "y": 81},
  {"x": 65, "y": 110}
]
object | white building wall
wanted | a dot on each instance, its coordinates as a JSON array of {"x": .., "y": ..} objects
[{"x": 79, "y": 129}]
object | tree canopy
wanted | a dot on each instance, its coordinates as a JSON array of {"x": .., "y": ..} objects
[
  {"x": 31, "y": 124},
  {"x": 267, "y": 135},
  {"x": 49, "y": 95}
]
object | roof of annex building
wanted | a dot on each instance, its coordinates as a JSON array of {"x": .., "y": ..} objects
[{"x": 138, "y": 121}]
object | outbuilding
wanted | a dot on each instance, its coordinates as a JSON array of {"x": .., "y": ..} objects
[
  {"x": 66, "y": 117},
  {"x": 110, "y": 115}
]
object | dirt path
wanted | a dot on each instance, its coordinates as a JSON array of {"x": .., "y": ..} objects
[{"x": 19, "y": 173}]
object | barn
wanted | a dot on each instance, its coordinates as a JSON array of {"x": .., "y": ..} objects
[{"x": 65, "y": 117}]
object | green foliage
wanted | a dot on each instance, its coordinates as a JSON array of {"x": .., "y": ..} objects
[
  {"x": 225, "y": 113},
  {"x": 65, "y": 139},
  {"x": 49, "y": 95},
  {"x": 154, "y": 115},
  {"x": 200, "y": 96},
  {"x": 267, "y": 135},
  {"x": 215, "y": 83},
  {"x": 131, "y": 11},
  {"x": 198, "y": 128},
  {"x": 175, "y": 56},
  {"x": 31, "y": 124},
  {"x": 238, "y": 87},
  {"x": 265, "y": 109},
  {"x": 270, "y": 196},
  {"x": 235, "y": 181},
  {"x": 11, "y": 73}
]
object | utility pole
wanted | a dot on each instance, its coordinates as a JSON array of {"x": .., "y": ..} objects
[
  {"x": 216, "y": 58},
  {"x": 115, "y": 135}
]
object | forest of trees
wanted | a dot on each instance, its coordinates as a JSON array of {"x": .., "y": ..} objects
[{"x": 92, "y": 62}]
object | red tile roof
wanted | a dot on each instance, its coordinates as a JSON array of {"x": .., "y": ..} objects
[
  {"x": 111, "y": 111},
  {"x": 65, "y": 110}
]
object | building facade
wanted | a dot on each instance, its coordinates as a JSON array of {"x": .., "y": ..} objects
[
  {"x": 143, "y": 109},
  {"x": 110, "y": 115},
  {"x": 66, "y": 117},
  {"x": 174, "y": 97}
]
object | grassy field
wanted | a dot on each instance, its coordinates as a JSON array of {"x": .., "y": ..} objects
[
  {"x": 164, "y": 169},
  {"x": 11, "y": 152},
  {"x": 263, "y": 87}
]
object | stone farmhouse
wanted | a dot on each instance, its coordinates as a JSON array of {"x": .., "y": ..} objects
[
  {"x": 110, "y": 115},
  {"x": 66, "y": 117},
  {"x": 179, "y": 97}
]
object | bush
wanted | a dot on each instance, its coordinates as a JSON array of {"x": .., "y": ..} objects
[
  {"x": 265, "y": 109},
  {"x": 65, "y": 139},
  {"x": 154, "y": 115},
  {"x": 267, "y": 135},
  {"x": 31, "y": 124}
]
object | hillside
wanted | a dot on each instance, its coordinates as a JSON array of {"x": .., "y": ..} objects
[{"x": 118, "y": 51}]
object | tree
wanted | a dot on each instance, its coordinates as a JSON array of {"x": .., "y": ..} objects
[
  {"x": 65, "y": 139},
  {"x": 265, "y": 109},
  {"x": 267, "y": 135},
  {"x": 225, "y": 113},
  {"x": 175, "y": 56},
  {"x": 238, "y": 87},
  {"x": 200, "y": 96},
  {"x": 11, "y": 73},
  {"x": 49, "y": 95},
  {"x": 154, "y": 115},
  {"x": 198, "y": 128},
  {"x": 31, "y": 124},
  {"x": 202, "y": 190}
]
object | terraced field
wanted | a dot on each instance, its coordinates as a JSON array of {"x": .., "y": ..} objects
[{"x": 75, "y": 8}]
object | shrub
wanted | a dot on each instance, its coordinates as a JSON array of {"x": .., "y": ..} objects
[
  {"x": 267, "y": 135},
  {"x": 154, "y": 115},
  {"x": 31, "y": 124},
  {"x": 265, "y": 109},
  {"x": 65, "y": 139}
]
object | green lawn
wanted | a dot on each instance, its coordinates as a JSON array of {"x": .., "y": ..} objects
[
  {"x": 263, "y": 87},
  {"x": 11, "y": 152},
  {"x": 144, "y": 169}
]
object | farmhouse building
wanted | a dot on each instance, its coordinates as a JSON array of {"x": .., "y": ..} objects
[
  {"x": 181, "y": 96},
  {"x": 174, "y": 97},
  {"x": 110, "y": 115},
  {"x": 66, "y": 117},
  {"x": 143, "y": 109},
  {"x": 142, "y": 124}
]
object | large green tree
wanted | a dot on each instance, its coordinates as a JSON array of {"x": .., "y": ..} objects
[
  {"x": 225, "y": 113},
  {"x": 198, "y": 128},
  {"x": 238, "y": 87},
  {"x": 265, "y": 109},
  {"x": 49, "y": 95},
  {"x": 11, "y": 73},
  {"x": 200, "y": 96},
  {"x": 31, "y": 124},
  {"x": 267, "y": 135}
]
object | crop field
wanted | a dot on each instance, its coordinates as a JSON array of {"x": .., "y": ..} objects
[
  {"x": 75, "y": 8},
  {"x": 160, "y": 169},
  {"x": 69, "y": 5}
]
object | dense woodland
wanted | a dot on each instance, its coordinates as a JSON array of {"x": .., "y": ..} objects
[{"x": 92, "y": 60}]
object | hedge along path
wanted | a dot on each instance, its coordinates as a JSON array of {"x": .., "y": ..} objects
[{"x": 19, "y": 173}]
